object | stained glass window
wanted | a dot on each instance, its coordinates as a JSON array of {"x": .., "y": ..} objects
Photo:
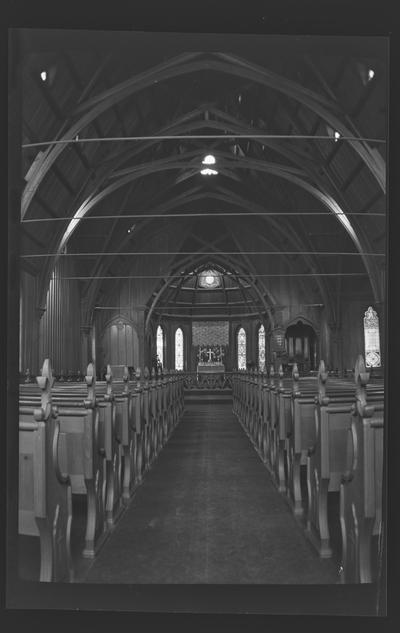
[
  {"x": 371, "y": 338},
  {"x": 160, "y": 345},
  {"x": 210, "y": 279},
  {"x": 241, "y": 348},
  {"x": 261, "y": 348},
  {"x": 179, "y": 349}
]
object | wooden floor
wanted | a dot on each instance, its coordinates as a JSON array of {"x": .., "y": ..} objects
[{"x": 208, "y": 512}]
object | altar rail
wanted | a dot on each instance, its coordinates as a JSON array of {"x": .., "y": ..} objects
[{"x": 220, "y": 381}]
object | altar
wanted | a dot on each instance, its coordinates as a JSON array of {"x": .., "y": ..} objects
[
  {"x": 210, "y": 368},
  {"x": 210, "y": 375}
]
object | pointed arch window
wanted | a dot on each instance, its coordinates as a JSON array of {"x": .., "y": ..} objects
[
  {"x": 371, "y": 339},
  {"x": 241, "y": 349},
  {"x": 160, "y": 345},
  {"x": 261, "y": 348},
  {"x": 179, "y": 349}
]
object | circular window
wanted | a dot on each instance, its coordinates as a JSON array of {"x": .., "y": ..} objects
[{"x": 209, "y": 279}]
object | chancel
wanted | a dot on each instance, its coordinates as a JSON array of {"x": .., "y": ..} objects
[{"x": 200, "y": 355}]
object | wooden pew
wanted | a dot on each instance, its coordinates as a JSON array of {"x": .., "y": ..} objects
[
  {"x": 282, "y": 426},
  {"x": 326, "y": 458},
  {"x": 147, "y": 443},
  {"x": 113, "y": 408},
  {"x": 138, "y": 426},
  {"x": 252, "y": 405},
  {"x": 272, "y": 420},
  {"x": 44, "y": 500},
  {"x": 154, "y": 415},
  {"x": 81, "y": 455},
  {"x": 110, "y": 423},
  {"x": 125, "y": 431},
  {"x": 137, "y": 446},
  {"x": 166, "y": 422},
  {"x": 245, "y": 407},
  {"x": 258, "y": 424},
  {"x": 361, "y": 488},
  {"x": 300, "y": 436},
  {"x": 265, "y": 407},
  {"x": 107, "y": 440}
]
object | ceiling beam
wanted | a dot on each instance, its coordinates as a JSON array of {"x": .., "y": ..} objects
[
  {"x": 57, "y": 172},
  {"x": 183, "y": 65}
]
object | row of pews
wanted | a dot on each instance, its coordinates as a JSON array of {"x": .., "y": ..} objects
[
  {"x": 93, "y": 440},
  {"x": 319, "y": 435}
]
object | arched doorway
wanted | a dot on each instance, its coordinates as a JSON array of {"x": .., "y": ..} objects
[
  {"x": 119, "y": 346},
  {"x": 301, "y": 346}
]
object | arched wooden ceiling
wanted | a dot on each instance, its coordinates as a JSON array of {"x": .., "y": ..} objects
[{"x": 266, "y": 107}]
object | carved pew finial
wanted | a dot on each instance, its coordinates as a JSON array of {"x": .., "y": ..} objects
[
  {"x": 90, "y": 380},
  {"x": 280, "y": 375},
  {"x": 109, "y": 379},
  {"x": 322, "y": 378},
  {"x": 271, "y": 374},
  {"x": 295, "y": 378},
  {"x": 125, "y": 378},
  {"x": 361, "y": 376},
  {"x": 138, "y": 374},
  {"x": 45, "y": 382}
]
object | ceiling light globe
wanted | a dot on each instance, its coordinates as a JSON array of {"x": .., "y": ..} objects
[{"x": 209, "y": 160}]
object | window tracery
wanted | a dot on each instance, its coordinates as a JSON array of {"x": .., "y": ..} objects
[
  {"x": 160, "y": 345},
  {"x": 179, "y": 349},
  {"x": 241, "y": 349}
]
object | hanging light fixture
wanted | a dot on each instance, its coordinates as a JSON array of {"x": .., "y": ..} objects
[{"x": 208, "y": 160}]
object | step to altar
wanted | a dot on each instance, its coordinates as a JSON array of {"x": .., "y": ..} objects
[{"x": 202, "y": 396}]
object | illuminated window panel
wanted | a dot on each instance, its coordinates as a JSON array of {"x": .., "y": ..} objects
[
  {"x": 371, "y": 339},
  {"x": 160, "y": 345},
  {"x": 210, "y": 279},
  {"x": 261, "y": 348},
  {"x": 241, "y": 349},
  {"x": 179, "y": 349}
]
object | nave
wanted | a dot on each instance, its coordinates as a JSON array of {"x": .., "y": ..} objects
[
  {"x": 208, "y": 512},
  {"x": 197, "y": 340}
]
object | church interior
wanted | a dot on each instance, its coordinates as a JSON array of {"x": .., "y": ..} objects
[{"x": 200, "y": 287}]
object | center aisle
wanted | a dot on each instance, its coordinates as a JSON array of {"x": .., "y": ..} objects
[{"x": 208, "y": 512}]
